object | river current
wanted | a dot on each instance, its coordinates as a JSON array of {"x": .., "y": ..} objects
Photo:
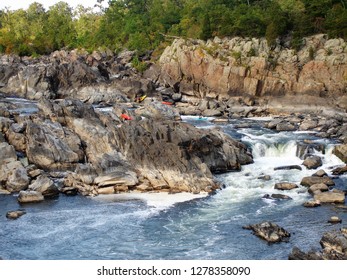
[{"x": 183, "y": 226}]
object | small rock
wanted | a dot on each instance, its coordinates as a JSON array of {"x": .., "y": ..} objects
[
  {"x": 30, "y": 196},
  {"x": 177, "y": 97},
  {"x": 297, "y": 254},
  {"x": 3, "y": 191},
  {"x": 285, "y": 126},
  {"x": 335, "y": 220},
  {"x": 285, "y": 186},
  {"x": 312, "y": 203},
  {"x": 318, "y": 188},
  {"x": 313, "y": 162},
  {"x": 339, "y": 170},
  {"x": 15, "y": 214},
  {"x": 288, "y": 167},
  {"x": 265, "y": 177},
  {"x": 212, "y": 113},
  {"x": 280, "y": 196},
  {"x": 320, "y": 173},
  {"x": 272, "y": 124},
  {"x": 144, "y": 188},
  {"x": 106, "y": 190},
  {"x": 121, "y": 189},
  {"x": 35, "y": 173}
]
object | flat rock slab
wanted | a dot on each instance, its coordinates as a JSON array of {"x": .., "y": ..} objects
[
  {"x": 330, "y": 197},
  {"x": 30, "y": 196},
  {"x": 285, "y": 186},
  {"x": 288, "y": 167},
  {"x": 270, "y": 232},
  {"x": 313, "y": 180}
]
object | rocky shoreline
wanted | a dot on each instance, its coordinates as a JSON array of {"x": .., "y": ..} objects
[{"x": 72, "y": 145}]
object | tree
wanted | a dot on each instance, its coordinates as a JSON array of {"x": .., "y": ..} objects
[{"x": 59, "y": 27}]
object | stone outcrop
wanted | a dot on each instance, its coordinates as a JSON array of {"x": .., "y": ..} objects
[
  {"x": 334, "y": 247},
  {"x": 270, "y": 232},
  {"x": 13, "y": 175},
  {"x": 330, "y": 197},
  {"x": 45, "y": 186},
  {"x": 96, "y": 151},
  {"x": 284, "y": 186},
  {"x": 102, "y": 77},
  {"x": 222, "y": 68},
  {"x": 313, "y": 180},
  {"x": 313, "y": 162},
  {"x": 30, "y": 197}
]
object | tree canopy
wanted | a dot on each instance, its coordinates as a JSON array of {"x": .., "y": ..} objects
[{"x": 142, "y": 24}]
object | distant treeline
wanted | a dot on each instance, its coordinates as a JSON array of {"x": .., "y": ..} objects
[{"x": 142, "y": 24}]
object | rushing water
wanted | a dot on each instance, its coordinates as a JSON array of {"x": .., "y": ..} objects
[{"x": 182, "y": 226}]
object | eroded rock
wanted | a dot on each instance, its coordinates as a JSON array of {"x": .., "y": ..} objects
[{"x": 270, "y": 232}]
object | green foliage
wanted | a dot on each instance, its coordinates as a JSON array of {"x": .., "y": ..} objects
[
  {"x": 251, "y": 52},
  {"x": 142, "y": 24},
  {"x": 237, "y": 56},
  {"x": 138, "y": 64}
]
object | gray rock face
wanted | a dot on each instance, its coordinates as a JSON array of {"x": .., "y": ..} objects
[
  {"x": 12, "y": 173},
  {"x": 51, "y": 146},
  {"x": 270, "y": 232},
  {"x": 183, "y": 154},
  {"x": 102, "y": 151}
]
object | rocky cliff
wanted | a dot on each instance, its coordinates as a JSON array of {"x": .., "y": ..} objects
[
  {"x": 223, "y": 68},
  {"x": 96, "y": 152}
]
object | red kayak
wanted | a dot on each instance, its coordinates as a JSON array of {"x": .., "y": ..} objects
[
  {"x": 126, "y": 117},
  {"x": 167, "y": 103}
]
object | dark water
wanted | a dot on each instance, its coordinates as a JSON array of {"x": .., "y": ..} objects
[{"x": 153, "y": 226}]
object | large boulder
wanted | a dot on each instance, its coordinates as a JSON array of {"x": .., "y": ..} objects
[
  {"x": 317, "y": 188},
  {"x": 341, "y": 152},
  {"x": 330, "y": 197},
  {"x": 313, "y": 162},
  {"x": 179, "y": 156},
  {"x": 313, "y": 180},
  {"x": 270, "y": 232},
  {"x": 30, "y": 196},
  {"x": 334, "y": 245},
  {"x": 12, "y": 173},
  {"x": 51, "y": 146},
  {"x": 45, "y": 186}
]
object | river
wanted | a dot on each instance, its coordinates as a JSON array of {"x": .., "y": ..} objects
[{"x": 183, "y": 226}]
